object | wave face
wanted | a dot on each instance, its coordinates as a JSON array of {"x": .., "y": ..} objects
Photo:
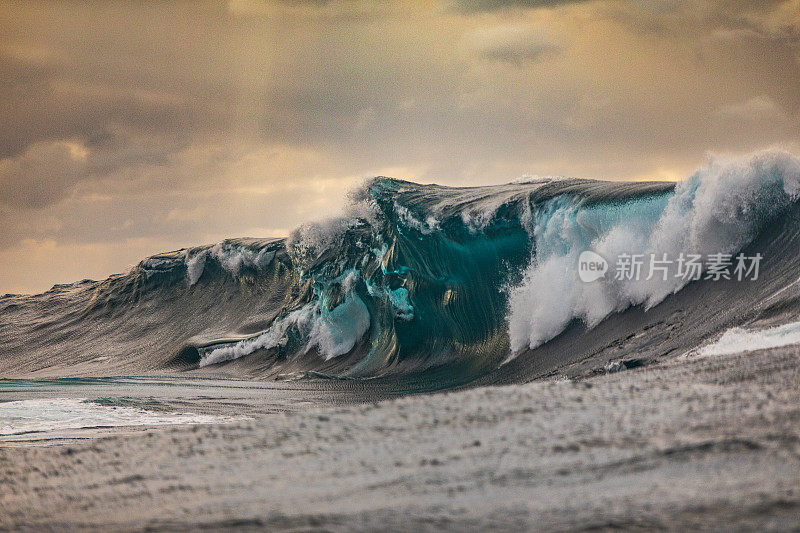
[{"x": 412, "y": 277}]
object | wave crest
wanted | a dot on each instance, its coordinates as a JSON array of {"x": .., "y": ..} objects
[{"x": 719, "y": 209}]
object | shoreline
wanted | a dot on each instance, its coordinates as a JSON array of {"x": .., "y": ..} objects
[{"x": 692, "y": 441}]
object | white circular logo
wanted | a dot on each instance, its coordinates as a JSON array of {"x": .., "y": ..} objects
[{"x": 591, "y": 266}]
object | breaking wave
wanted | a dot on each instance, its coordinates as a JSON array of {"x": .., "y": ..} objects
[
  {"x": 415, "y": 277},
  {"x": 718, "y": 210}
]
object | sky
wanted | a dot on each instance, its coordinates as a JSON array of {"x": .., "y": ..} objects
[{"x": 132, "y": 128}]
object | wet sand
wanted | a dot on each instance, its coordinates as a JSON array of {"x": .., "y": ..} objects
[{"x": 691, "y": 442}]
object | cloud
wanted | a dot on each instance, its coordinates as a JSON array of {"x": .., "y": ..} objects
[
  {"x": 493, "y": 5},
  {"x": 776, "y": 18},
  {"x": 43, "y": 174},
  {"x": 514, "y": 43},
  {"x": 760, "y": 107}
]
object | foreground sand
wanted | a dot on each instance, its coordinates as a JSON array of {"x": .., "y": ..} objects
[{"x": 700, "y": 442}]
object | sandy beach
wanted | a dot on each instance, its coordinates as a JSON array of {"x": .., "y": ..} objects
[{"x": 701, "y": 442}]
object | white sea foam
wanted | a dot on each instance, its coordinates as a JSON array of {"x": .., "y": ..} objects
[
  {"x": 333, "y": 332},
  {"x": 476, "y": 221},
  {"x": 407, "y": 217},
  {"x": 401, "y": 303},
  {"x": 275, "y": 336},
  {"x": 739, "y": 340},
  {"x": 44, "y": 415},
  {"x": 195, "y": 264},
  {"x": 231, "y": 256},
  {"x": 719, "y": 209},
  {"x": 310, "y": 240}
]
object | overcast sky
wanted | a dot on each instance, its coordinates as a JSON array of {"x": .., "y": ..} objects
[{"x": 131, "y": 128}]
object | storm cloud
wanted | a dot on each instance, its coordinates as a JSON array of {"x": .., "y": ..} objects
[{"x": 129, "y": 128}]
